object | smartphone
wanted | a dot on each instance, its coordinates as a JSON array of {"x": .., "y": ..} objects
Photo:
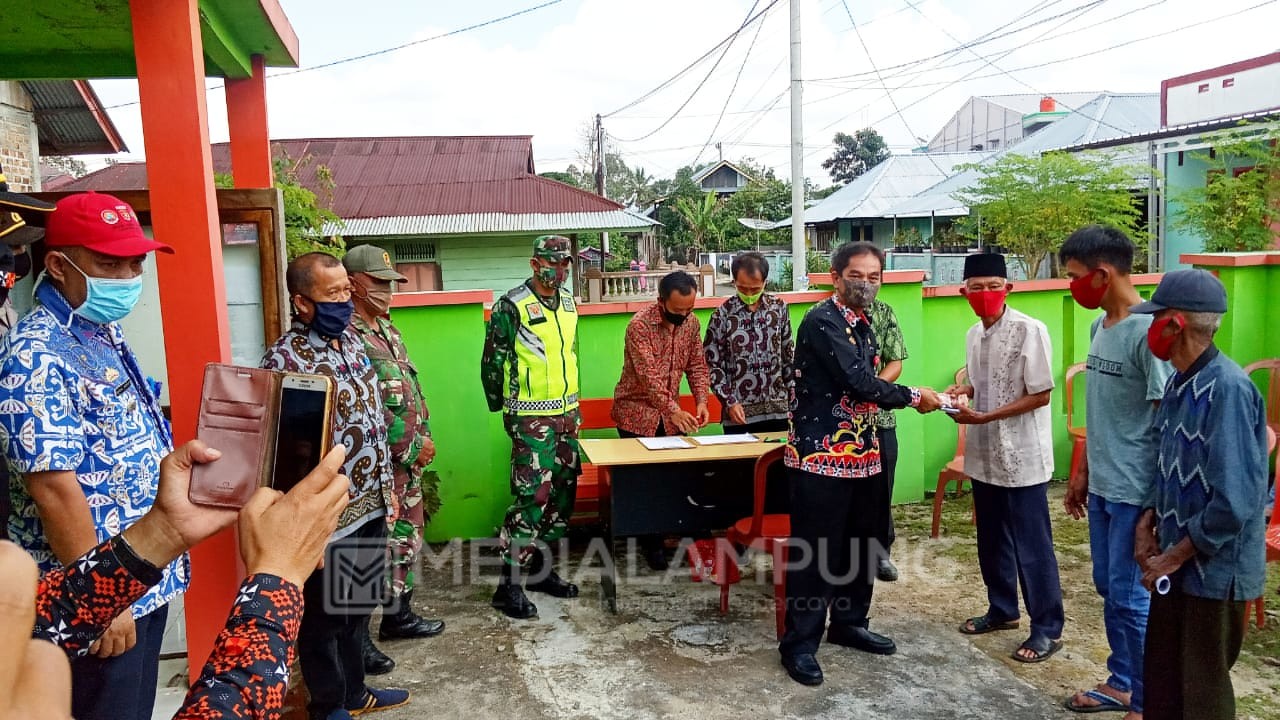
[{"x": 303, "y": 432}]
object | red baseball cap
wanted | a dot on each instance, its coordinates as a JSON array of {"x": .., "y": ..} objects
[{"x": 99, "y": 222}]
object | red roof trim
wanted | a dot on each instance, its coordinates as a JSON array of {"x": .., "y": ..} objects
[{"x": 99, "y": 113}]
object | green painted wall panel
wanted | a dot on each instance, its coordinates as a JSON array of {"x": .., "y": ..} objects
[
  {"x": 496, "y": 263},
  {"x": 1191, "y": 173},
  {"x": 473, "y": 452}
]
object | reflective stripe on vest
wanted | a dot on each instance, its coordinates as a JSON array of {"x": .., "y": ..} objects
[{"x": 547, "y": 367}]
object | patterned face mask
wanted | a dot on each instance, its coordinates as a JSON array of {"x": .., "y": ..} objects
[{"x": 858, "y": 293}]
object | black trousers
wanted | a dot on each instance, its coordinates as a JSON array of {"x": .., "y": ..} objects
[
  {"x": 1015, "y": 547},
  {"x": 888, "y": 466},
  {"x": 836, "y": 527},
  {"x": 1192, "y": 642},
  {"x": 122, "y": 687},
  {"x": 332, "y": 632}
]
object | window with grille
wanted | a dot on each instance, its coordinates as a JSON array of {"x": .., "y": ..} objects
[{"x": 416, "y": 252}]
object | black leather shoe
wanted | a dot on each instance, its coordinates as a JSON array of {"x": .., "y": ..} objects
[
  {"x": 375, "y": 662},
  {"x": 405, "y": 624},
  {"x": 555, "y": 585},
  {"x": 886, "y": 570},
  {"x": 549, "y": 581},
  {"x": 511, "y": 600},
  {"x": 860, "y": 638},
  {"x": 804, "y": 669}
]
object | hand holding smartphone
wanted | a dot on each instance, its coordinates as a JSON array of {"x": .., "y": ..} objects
[{"x": 271, "y": 427}]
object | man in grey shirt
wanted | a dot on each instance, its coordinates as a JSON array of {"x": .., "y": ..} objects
[{"x": 1124, "y": 382}]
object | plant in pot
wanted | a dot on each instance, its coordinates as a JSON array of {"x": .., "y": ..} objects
[{"x": 908, "y": 240}]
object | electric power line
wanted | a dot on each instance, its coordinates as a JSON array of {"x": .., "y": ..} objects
[
  {"x": 384, "y": 51},
  {"x": 1006, "y": 73},
  {"x": 1109, "y": 48},
  {"x": 737, "y": 78},
  {"x": 688, "y": 68},
  {"x": 880, "y": 77}
]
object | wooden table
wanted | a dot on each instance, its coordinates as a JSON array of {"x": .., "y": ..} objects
[{"x": 700, "y": 489}]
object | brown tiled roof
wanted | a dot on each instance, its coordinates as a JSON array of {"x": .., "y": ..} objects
[{"x": 405, "y": 176}]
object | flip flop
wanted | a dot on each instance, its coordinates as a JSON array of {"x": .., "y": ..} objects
[
  {"x": 1043, "y": 647},
  {"x": 983, "y": 624},
  {"x": 1106, "y": 703}
]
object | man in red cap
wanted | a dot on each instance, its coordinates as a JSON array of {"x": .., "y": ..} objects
[{"x": 83, "y": 435}]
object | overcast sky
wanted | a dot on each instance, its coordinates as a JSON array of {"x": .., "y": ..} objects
[{"x": 547, "y": 73}]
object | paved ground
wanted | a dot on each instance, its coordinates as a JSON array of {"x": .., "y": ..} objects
[{"x": 668, "y": 654}]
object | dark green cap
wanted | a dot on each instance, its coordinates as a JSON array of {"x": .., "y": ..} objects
[
  {"x": 554, "y": 248},
  {"x": 372, "y": 260}
]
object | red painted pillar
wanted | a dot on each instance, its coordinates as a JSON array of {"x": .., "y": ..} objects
[
  {"x": 166, "y": 36},
  {"x": 247, "y": 121}
]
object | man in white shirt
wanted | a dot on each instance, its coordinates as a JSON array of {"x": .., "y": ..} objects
[{"x": 1009, "y": 457}]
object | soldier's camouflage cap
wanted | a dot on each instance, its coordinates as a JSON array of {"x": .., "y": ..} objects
[{"x": 553, "y": 248}]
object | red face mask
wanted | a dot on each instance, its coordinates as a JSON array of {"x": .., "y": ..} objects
[
  {"x": 1086, "y": 293},
  {"x": 1162, "y": 345},
  {"x": 987, "y": 303}
]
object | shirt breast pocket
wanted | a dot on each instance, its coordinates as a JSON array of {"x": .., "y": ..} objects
[{"x": 392, "y": 393}]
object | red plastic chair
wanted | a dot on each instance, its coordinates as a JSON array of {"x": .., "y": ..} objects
[
  {"x": 953, "y": 471},
  {"x": 1271, "y": 390},
  {"x": 767, "y": 533},
  {"x": 1273, "y": 547},
  {"x": 1078, "y": 440}
]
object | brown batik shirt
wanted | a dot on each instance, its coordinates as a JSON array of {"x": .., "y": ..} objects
[{"x": 359, "y": 421}]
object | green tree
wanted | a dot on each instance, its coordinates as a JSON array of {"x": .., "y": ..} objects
[
  {"x": 305, "y": 215},
  {"x": 68, "y": 164},
  {"x": 704, "y": 219},
  {"x": 766, "y": 197},
  {"x": 1238, "y": 208},
  {"x": 565, "y": 177},
  {"x": 855, "y": 154},
  {"x": 1030, "y": 204}
]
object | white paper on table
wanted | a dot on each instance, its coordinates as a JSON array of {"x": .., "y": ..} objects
[
  {"x": 725, "y": 439},
  {"x": 664, "y": 443}
]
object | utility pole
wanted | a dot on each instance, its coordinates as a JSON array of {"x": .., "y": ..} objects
[
  {"x": 799, "y": 257},
  {"x": 600, "y": 182}
]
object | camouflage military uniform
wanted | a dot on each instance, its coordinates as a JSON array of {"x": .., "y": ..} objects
[
  {"x": 545, "y": 461},
  {"x": 415, "y": 493}
]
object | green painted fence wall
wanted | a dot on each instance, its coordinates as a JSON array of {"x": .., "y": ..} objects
[{"x": 445, "y": 343}]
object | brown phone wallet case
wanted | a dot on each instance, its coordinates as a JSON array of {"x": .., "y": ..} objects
[{"x": 238, "y": 410}]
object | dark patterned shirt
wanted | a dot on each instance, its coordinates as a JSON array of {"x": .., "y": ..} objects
[
  {"x": 750, "y": 355},
  {"x": 837, "y": 395},
  {"x": 892, "y": 347},
  {"x": 654, "y": 361},
  {"x": 359, "y": 421},
  {"x": 247, "y": 674}
]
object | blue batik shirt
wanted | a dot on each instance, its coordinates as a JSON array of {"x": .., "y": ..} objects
[
  {"x": 1211, "y": 478},
  {"x": 73, "y": 399}
]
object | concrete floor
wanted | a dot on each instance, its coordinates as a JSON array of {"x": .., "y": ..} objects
[{"x": 669, "y": 654}]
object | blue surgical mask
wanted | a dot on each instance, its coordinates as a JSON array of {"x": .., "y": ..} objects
[
  {"x": 108, "y": 299},
  {"x": 331, "y": 318}
]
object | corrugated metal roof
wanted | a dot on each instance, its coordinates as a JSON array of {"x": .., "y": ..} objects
[
  {"x": 1234, "y": 122},
  {"x": 406, "y": 176},
  {"x": 1108, "y": 115},
  {"x": 1029, "y": 103},
  {"x": 71, "y": 120},
  {"x": 471, "y": 223},
  {"x": 895, "y": 179}
]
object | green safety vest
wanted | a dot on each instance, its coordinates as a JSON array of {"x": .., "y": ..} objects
[{"x": 545, "y": 360}]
